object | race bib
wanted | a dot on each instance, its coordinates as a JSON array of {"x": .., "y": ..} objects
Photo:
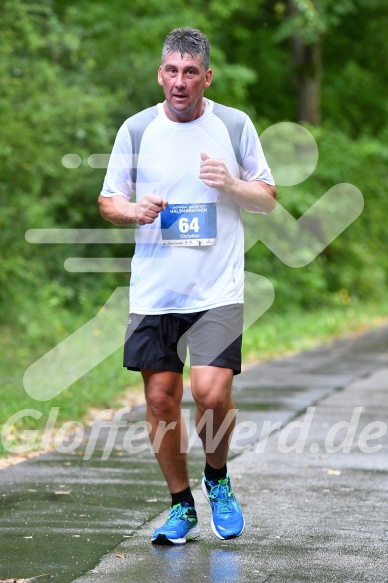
[{"x": 189, "y": 224}]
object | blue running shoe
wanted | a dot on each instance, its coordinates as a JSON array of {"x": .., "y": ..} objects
[
  {"x": 180, "y": 526},
  {"x": 227, "y": 518}
]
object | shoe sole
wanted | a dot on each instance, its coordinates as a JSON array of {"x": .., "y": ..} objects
[
  {"x": 162, "y": 539},
  {"x": 215, "y": 531}
]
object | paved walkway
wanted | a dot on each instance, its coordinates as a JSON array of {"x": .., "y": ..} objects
[{"x": 312, "y": 480}]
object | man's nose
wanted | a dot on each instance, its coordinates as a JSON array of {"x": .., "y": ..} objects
[{"x": 180, "y": 80}]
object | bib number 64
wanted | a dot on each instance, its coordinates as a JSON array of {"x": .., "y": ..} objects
[{"x": 185, "y": 225}]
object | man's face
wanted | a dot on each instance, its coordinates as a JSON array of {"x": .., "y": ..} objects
[{"x": 183, "y": 79}]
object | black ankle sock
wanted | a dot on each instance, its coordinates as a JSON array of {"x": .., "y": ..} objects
[
  {"x": 183, "y": 496},
  {"x": 215, "y": 474}
]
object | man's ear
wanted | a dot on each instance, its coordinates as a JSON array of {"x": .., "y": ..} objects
[
  {"x": 160, "y": 80},
  {"x": 208, "y": 79}
]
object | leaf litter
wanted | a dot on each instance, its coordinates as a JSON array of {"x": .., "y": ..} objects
[{"x": 16, "y": 580}]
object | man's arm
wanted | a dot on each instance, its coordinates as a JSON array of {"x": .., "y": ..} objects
[
  {"x": 255, "y": 196},
  {"x": 118, "y": 210}
]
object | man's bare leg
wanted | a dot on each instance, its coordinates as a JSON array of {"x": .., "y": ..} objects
[
  {"x": 163, "y": 392},
  {"x": 211, "y": 387}
]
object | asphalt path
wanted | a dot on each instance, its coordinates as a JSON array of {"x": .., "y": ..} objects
[{"x": 309, "y": 466}]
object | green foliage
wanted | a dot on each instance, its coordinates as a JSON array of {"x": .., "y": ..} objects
[
  {"x": 355, "y": 264},
  {"x": 47, "y": 113},
  {"x": 311, "y": 20},
  {"x": 72, "y": 71},
  {"x": 355, "y": 82}
]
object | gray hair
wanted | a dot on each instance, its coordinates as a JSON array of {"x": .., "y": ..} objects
[{"x": 188, "y": 41}]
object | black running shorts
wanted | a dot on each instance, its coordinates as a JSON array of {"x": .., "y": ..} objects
[{"x": 160, "y": 341}]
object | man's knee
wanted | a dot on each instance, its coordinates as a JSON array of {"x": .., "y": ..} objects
[
  {"x": 214, "y": 398},
  {"x": 163, "y": 392},
  {"x": 211, "y": 402},
  {"x": 211, "y": 388}
]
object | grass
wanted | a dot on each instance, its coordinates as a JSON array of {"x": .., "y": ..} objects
[
  {"x": 109, "y": 386},
  {"x": 279, "y": 334}
]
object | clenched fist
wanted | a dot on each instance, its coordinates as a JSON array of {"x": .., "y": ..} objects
[
  {"x": 215, "y": 174},
  {"x": 148, "y": 208}
]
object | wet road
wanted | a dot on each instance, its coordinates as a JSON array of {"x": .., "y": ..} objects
[{"x": 315, "y": 511}]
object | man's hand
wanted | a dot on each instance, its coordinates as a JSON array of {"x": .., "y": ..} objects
[
  {"x": 254, "y": 196},
  {"x": 120, "y": 211},
  {"x": 148, "y": 209},
  {"x": 215, "y": 174}
]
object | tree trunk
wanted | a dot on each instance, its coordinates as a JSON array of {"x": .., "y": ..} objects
[{"x": 307, "y": 65}]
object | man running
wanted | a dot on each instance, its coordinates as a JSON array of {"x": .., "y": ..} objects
[{"x": 191, "y": 165}]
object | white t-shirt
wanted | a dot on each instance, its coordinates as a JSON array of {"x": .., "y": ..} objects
[{"x": 186, "y": 277}]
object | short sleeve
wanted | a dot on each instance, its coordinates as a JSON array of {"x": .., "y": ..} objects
[
  {"x": 254, "y": 165},
  {"x": 119, "y": 174}
]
